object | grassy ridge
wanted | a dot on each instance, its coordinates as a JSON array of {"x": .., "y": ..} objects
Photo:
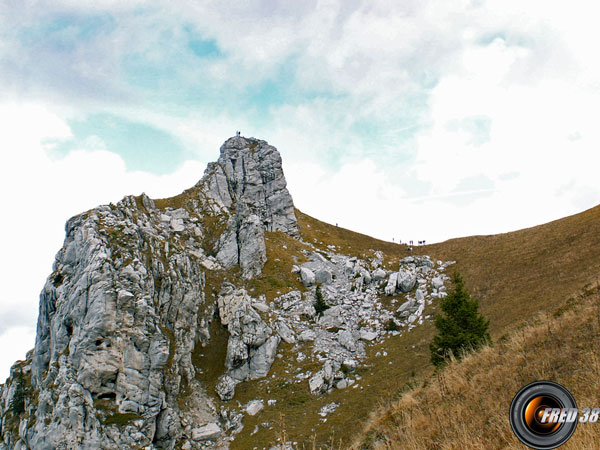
[{"x": 516, "y": 274}]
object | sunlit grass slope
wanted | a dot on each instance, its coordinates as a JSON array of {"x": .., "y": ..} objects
[
  {"x": 517, "y": 274},
  {"x": 465, "y": 406}
]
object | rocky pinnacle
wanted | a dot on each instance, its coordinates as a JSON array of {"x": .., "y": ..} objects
[{"x": 248, "y": 180}]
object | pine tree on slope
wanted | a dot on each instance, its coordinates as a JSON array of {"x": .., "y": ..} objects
[{"x": 461, "y": 327}]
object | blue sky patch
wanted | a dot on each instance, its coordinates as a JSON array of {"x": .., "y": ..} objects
[
  {"x": 141, "y": 146},
  {"x": 65, "y": 32}
]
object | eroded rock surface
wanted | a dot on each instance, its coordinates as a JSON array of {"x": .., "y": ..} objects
[
  {"x": 124, "y": 309},
  {"x": 127, "y": 314},
  {"x": 248, "y": 182}
]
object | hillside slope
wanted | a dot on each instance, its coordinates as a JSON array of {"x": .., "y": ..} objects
[
  {"x": 477, "y": 391},
  {"x": 515, "y": 275}
]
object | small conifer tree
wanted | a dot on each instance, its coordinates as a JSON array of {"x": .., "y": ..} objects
[
  {"x": 461, "y": 327},
  {"x": 320, "y": 305},
  {"x": 17, "y": 404}
]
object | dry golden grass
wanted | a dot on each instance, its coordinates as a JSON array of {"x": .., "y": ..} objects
[
  {"x": 465, "y": 406},
  {"x": 276, "y": 277},
  {"x": 516, "y": 274},
  {"x": 349, "y": 242}
]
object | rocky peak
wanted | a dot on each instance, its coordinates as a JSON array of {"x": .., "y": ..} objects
[
  {"x": 138, "y": 304},
  {"x": 125, "y": 307},
  {"x": 248, "y": 177},
  {"x": 248, "y": 181}
]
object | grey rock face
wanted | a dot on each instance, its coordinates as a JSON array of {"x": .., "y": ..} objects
[
  {"x": 252, "y": 250},
  {"x": 251, "y": 347},
  {"x": 262, "y": 358},
  {"x": 114, "y": 330},
  {"x": 124, "y": 309},
  {"x": 248, "y": 182}
]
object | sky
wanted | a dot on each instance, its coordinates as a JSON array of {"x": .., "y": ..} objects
[{"x": 411, "y": 119}]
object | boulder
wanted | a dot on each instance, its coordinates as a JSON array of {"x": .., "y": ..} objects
[
  {"x": 349, "y": 267},
  {"x": 332, "y": 317},
  {"x": 307, "y": 336},
  {"x": 317, "y": 383},
  {"x": 367, "y": 335},
  {"x": 307, "y": 276},
  {"x": 327, "y": 371},
  {"x": 323, "y": 276},
  {"x": 379, "y": 274},
  {"x": 350, "y": 364},
  {"x": 392, "y": 283},
  {"x": 366, "y": 276},
  {"x": 208, "y": 431},
  {"x": 225, "y": 387},
  {"x": 286, "y": 334},
  {"x": 260, "y": 306},
  {"x": 262, "y": 358},
  {"x": 407, "y": 305},
  {"x": 406, "y": 280},
  {"x": 254, "y": 407},
  {"x": 342, "y": 384},
  {"x": 177, "y": 224},
  {"x": 346, "y": 339}
]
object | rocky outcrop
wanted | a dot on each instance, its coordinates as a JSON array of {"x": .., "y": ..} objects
[
  {"x": 251, "y": 347},
  {"x": 248, "y": 182},
  {"x": 119, "y": 318},
  {"x": 136, "y": 319},
  {"x": 125, "y": 307}
]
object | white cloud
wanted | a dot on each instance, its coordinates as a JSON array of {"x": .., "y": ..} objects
[{"x": 14, "y": 345}]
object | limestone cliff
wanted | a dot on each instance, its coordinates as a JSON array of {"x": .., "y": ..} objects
[
  {"x": 157, "y": 310},
  {"x": 125, "y": 306},
  {"x": 248, "y": 182}
]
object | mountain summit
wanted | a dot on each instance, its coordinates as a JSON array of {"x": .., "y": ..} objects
[
  {"x": 156, "y": 310},
  {"x": 248, "y": 185}
]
